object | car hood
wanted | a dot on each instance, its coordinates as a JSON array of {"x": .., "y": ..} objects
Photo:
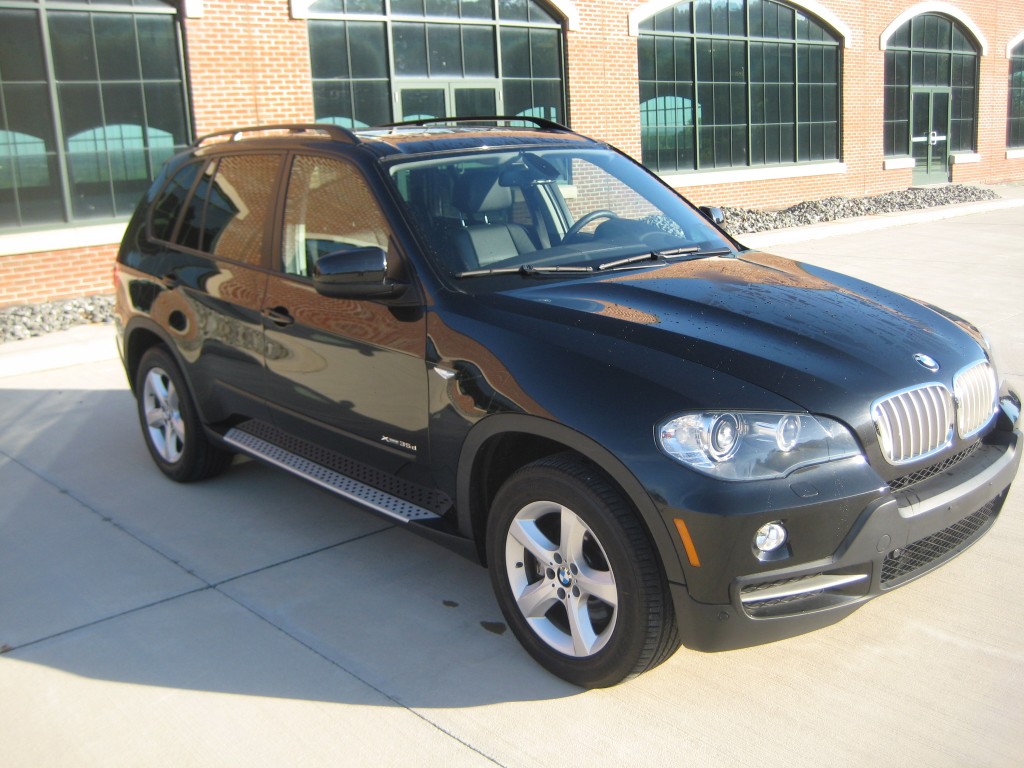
[{"x": 828, "y": 343}]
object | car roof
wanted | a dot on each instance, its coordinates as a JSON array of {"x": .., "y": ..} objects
[{"x": 412, "y": 138}]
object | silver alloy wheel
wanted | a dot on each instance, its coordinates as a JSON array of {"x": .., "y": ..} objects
[
  {"x": 164, "y": 424},
  {"x": 561, "y": 578}
]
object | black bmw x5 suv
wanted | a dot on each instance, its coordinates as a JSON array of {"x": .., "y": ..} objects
[{"x": 521, "y": 343}]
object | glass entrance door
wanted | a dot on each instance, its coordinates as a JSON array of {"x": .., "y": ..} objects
[
  {"x": 929, "y": 135},
  {"x": 450, "y": 99}
]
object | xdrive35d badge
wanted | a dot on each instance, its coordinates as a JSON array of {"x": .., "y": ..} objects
[{"x": 648, "y": 433}]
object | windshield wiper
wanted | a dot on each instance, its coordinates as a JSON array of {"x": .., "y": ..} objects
[
  {"x": 692, "y": 252},
  {"x": 525, "y": 270}
]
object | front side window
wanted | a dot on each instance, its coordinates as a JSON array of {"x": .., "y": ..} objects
[
  {"x": 737, "y": 83},
  {"x": 92, "y": 101},
  {"x": 1015, "y": 126},
  {"x": 373, "y": 62},
  {"x": 329, "y": 208}
]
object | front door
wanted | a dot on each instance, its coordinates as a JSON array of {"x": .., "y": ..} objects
[
  {"x": 929, "y": 118},
  {"x": 351, "y": 371},
  {"x": 452, "y": 99}
]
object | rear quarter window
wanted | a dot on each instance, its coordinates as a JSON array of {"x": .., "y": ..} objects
[{"x": 167, "y": 208}]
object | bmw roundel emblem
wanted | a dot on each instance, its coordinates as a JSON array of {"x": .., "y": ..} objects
[{"x": 926, "y": 361}]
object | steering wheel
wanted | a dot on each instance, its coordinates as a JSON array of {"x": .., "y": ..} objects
[{"x": 582, "y": 221}]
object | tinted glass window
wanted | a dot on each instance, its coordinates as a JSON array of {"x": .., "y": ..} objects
[
  {"x": 227, "y": 215},
  {"x": 329, "y": 208},
  {"x": 1015, "y": 124},
  {"x": 729, "y": 83},
  {"x": 169, "y": 204},
  {"x": 929, "y": 52},
  {"x": 238, "y": 207},
  {"x": 109, "y": 74},
  {"x": 447, "y": 41}
]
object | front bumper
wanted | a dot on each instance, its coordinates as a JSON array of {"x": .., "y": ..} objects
[{"x": 897, "y": 537}]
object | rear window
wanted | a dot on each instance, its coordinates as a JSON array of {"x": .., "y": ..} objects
[{"x": 227, "y": 213}]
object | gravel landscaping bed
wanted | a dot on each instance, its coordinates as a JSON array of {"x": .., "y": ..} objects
[
  {"x": 23, "y": 322},
  {"x": 740, "y": 220},
  {"x": 29, "y": 320}
]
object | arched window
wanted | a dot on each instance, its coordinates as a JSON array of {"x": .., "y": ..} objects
[
  {"x": 92, "y": 101},
  {"x": 931, "y": 82},
  {"x": 737, "y": 83},
  {"x": 1015, "y": 121},
  {"x": 375, "y": 61}
]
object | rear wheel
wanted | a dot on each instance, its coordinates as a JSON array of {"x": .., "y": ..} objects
[
  {"x": 170, "y": 424},
  {"x": 576, "y": 576}
]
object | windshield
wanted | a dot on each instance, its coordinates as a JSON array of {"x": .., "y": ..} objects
[{"x": 555, "y": 212}]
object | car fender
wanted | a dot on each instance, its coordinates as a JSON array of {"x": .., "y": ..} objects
[{"x": 524, "y": 424}]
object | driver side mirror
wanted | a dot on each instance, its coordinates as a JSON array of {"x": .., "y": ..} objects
[
  {"x": 713, "y": 214},
  {"x": 357, "y": 273}
]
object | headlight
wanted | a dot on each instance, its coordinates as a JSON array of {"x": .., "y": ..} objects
[{"x": 754, "y": 446}]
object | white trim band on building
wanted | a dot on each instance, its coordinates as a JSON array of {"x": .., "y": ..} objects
[
  {"x": 565, "y": 8},
  {"x": 934, "y": 7},
  {"x": 61, "y": 239},
  {"x": 768, "y": 173},
  {"x": 959, "y": 158},
  {"x": 813, "y": 7},
  {"x": 898, "y": 163}
]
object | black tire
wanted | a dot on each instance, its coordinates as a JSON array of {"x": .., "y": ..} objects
[
  {"x": 605, "y": 572},
  {"x": 170, "y": 423}
]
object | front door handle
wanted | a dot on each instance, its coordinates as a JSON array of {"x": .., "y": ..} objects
[{"x": 278, "y": 316}]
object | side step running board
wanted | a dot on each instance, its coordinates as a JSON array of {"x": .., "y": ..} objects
[{"x": 243, "y": 439}]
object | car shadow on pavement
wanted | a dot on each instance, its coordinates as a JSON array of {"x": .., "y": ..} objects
[{"x": 253, "y": 583}]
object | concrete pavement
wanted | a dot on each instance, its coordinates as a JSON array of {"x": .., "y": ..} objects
[{"x": 254, "y": 620}]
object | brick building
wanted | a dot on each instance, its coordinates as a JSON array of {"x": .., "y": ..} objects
[{"x": 760, "y": 103}]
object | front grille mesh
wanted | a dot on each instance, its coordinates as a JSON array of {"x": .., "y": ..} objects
[
  {"x": 975, "y": 391},
  {"x": 899, "y": 483},
  {"x": 902, "y": 564},
  {"x": 914, "y": 423}
]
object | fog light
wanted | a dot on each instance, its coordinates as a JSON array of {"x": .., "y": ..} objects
[{"x": 770, "y": 537}]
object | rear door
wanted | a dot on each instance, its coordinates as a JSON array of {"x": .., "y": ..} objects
[
  {"x": 215, "y": 265},
  {"x": 349, "y": 374}
]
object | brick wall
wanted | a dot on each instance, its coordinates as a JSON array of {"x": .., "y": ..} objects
[
  {"x": 37, "y": 277},
  {"x": 248, "y": 64}
]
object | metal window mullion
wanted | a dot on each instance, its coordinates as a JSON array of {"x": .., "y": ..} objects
[
  {"x": 696, "y": 103},
  {"x": 55, "y": 114},
  {"x": 749, "y": 87},
  {"x": 103, "y": 113},
  {"x": 15, "y": 166},
  {"x": 796, "y": 101},
  {"x": 150, "y": 171}
]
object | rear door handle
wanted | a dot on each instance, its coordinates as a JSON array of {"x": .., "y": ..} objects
[{"x": 278, "y": 316}]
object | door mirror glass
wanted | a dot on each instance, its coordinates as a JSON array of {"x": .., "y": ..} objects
[
  {"x": 355, "y": 273},
  {"x": 713, "y": 214}
]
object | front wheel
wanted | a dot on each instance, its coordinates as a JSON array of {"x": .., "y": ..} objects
[
  {"x": 170, "y": 423},
  {"x": 576, "y": 576}
]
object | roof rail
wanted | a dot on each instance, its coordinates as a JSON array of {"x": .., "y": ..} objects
[
  {"x": 335, "y": 132},
  {"x": 539, "y": 122}
]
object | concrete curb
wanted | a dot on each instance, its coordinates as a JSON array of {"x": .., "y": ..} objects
[{"x": 61, "y": 349}]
